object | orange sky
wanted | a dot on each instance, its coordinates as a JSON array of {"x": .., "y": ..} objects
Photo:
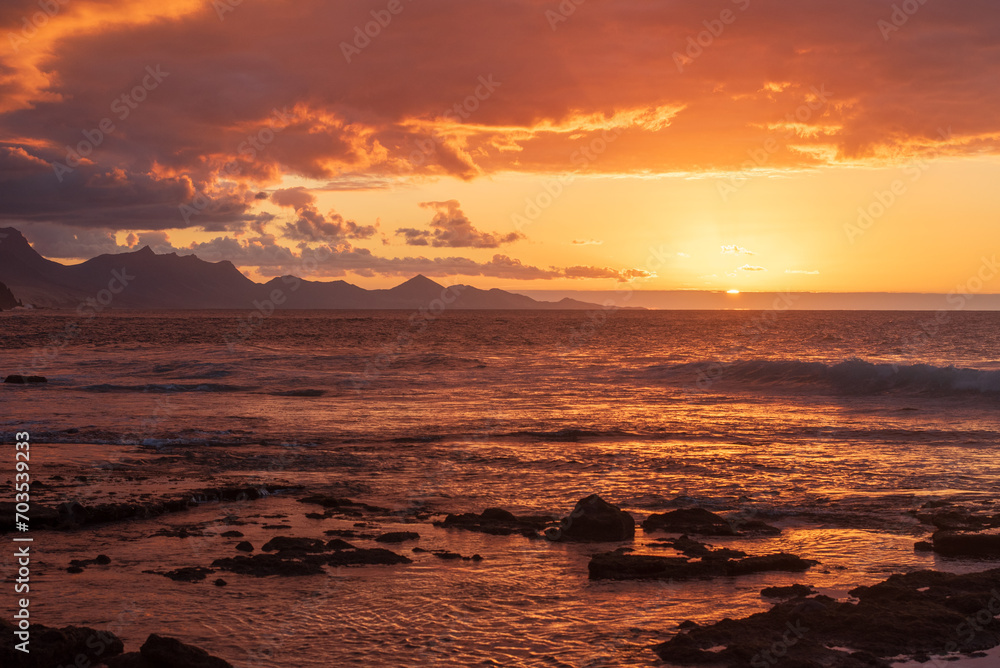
[{"x": 733, "y": 144}]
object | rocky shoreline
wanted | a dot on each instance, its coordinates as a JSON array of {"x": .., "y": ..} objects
[
  {"x": 915, "y": 615},
  {"x": 82, "y": 646}
]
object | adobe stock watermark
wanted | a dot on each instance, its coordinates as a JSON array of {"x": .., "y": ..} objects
[
  {"x": 223, "y": 7},
  {"x": 562, "y": 13},
  {"x": 696, "y": 44},
  {"x": 30, "y": 25},
  {"x": 86, "y": 310},
  {"x": 624, "y": 292},
  {"x": 761, "y": 324},
  {"x": 309, "y": 262},
  {"x": 958, "y": 299},
  {"x": 883, "y": 200},
  {"x": 779, "y": 648},
  {"x": 460, "y": 111},
  {"x": 416, "y": 324},
  {"x": 553, "y": 189},
  {"x": 759, "y": 157},
  {"x": 899, "y": 17},
  {"x": 363, "y": 35},
  {"x": 122, "y": 106},
  {"x": 248, "y": 149}
]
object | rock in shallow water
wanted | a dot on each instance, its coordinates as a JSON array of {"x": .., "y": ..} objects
[
  {"x": 165, "y": 652},
  {"x": 497, "y": 522},
  {"x": 958, "y": 544},
  {"x": 916, "y": 614},
  {"x": 594, "y": 520},
  {"x": 704, "y": 523},
  {"x": 619, "y": 565},
  {"x": 21, "y": 380},
  {"x": 791, "y": 591},
  {"x": 70, "y": 646},
  {"x": 397, "y": 537},
  {"x": 262, "y": 565}
]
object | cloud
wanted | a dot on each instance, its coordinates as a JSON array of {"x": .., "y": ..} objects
[
  {"x": 735, "y": 250},
  {"x": 802, "y": 271},
  {"x": 310, "y": 225},
  {"x": 255, "y": 117},
  {"x": 750, "y": 267},
  {"x": 451, "y": 228},
  {"x": 683, "y": 255},
  {"x": 587, "y": 242},
  {"x": 295, "y": 198}
]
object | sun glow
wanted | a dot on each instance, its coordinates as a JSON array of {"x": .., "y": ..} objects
[{"x": 732, "y": 292}]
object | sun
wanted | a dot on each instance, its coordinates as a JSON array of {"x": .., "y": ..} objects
[{"x": 732, "y": 292}]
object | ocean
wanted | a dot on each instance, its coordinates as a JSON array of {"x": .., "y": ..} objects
[{"x": 834, "y": 426}]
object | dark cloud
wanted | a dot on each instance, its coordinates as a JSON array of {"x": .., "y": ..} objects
[
  {"x": 451, "y": 228},
  {"x": 803, "y": 85}
]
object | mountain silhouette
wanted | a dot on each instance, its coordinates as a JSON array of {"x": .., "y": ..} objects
[{"x": 146, "y": 280}]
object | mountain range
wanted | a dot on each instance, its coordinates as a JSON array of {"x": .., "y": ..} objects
[{"x": 147, "y": 280}]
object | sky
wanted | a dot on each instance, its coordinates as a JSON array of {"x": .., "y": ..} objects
[{"x": 747, "y": 145}]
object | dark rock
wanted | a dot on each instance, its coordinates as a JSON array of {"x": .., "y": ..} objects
[
  {"x": 165, "y": 652},
  {"x": 100, "y": 560},
  {"x": 244, "y": 546},
  {"x": 496, "y": 522},
  {"x": 923, "y": 546},
  {"x": 288, "y": 544},
  {"x": 338, "y": 544},
  {"x": 263, "y": 565},
  {"x": 955, "y": 544},
  {"x": 791, "y": 591},
  {"x": 754, "y": 528},
  {"x": 397, "y": 537},
  {"x": 220, "y": 583},
  {"x": 186, "y": 574},
  {"x": 20, "y": 380},
  {"x": 913, "y": 615},
  {"x": 74, "y": 569},
  {"x": 361, "y": 557},
  {"x": 694, "y": 549},
  {"x": 129, "y": 660},
  {"x": 689, "y": 520},
  {"x": 497, "y": 515},
  {"x": 771, "y": 562},
  {"x": 702, "y": 522},
  {"x": 7, "y": 299},
  {"x": 69, "y": 646},
  {"x": 181, "y": 532},
  {"x": 620, "y": 565},
  {"x": 316, "y": 516},
  {"x": 232, "y": 534},
  {"x": 71, "y": 515},
  {"x": 594, "y": 520}
]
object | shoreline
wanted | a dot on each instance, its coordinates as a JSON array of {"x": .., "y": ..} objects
[{"x": 181, "y": 554}]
